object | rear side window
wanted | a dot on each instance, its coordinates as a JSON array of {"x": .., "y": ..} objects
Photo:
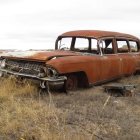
[
  {"x": 122, "y": 46},
  {"x": 133, "y": 46}
]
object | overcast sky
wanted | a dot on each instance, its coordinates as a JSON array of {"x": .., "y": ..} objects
[{"x": 35, "y": 24}]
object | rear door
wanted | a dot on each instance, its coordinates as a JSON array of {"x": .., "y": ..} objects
[
  {"x": 135, "y": 52},
  {"x": 128, "y": 61}
]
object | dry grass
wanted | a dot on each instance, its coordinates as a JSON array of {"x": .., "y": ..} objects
[{"x": 89, "y": 114}]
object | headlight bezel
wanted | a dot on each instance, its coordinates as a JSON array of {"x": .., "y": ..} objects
[
  {"x": 51, "y": 72},
  {"x": 42, "y": 72},
  {"x": 48, "y": 71}
]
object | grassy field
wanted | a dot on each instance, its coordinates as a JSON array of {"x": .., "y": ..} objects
[{"x": 86, "y": 114}]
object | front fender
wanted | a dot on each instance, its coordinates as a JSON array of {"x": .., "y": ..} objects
[{"x": 86, "y": 64}]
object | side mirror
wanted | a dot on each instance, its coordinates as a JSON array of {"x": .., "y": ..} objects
[{"x": 100, "y": 44}]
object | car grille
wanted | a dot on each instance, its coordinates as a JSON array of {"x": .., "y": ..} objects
[{"x": 25, "y": 67}]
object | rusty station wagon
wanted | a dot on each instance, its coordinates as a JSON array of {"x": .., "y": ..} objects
[{"x": 80, "y": 59}]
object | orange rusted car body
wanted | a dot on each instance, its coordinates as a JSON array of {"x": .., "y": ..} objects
[{"x": 105, "y": 56}]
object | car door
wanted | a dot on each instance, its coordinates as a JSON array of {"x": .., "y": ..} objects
[
  {"x": 128, "y": 61},
  {"x": 135, "y": 52},
  {"x": 110, "y": 62}
]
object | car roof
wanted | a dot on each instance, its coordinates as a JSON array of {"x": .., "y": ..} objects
[{"x": 96, "y": 34}]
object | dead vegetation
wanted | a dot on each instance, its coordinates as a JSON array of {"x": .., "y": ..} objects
[{"x": 89, "y": 114}]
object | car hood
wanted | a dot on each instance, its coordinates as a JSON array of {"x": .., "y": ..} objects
[{"x": 37, "y": 55}]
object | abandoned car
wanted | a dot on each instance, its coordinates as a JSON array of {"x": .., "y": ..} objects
[{"x": 80, "y": 59}]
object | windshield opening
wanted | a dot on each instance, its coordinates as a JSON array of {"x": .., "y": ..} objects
[
  {"x": 78, "y": 44},
  {"x": 64, "y": 43}
]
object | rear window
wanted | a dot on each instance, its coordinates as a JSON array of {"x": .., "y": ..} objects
[
  {"x": 122, "y": 46},
  {"x": 133, "y": 46}
]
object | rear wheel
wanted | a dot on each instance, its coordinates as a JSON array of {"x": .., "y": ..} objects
[{"x": 71, "y": 82}]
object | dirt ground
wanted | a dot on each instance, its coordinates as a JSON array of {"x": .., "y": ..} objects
[{"x": 85, "y": 114}]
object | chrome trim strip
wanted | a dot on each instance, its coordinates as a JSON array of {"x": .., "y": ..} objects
[{"x": 53, "y": 79}]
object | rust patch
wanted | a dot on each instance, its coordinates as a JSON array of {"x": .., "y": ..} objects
[{"x": 98, "y": 64}]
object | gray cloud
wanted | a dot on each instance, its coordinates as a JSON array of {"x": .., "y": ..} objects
[
  {"x": 31, "y": 37},
  {"x": 32, "y": 22}
]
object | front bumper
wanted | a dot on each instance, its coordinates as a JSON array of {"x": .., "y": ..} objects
[{"x": 53, "y": 81}]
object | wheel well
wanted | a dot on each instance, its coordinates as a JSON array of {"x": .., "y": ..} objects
[{"x": 81, "y": 76}]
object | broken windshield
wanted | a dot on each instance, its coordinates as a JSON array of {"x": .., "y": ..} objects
[{"x": 79, "y": 44}]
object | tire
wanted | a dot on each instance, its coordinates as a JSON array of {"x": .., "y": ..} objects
[{"x": 71, "y": 82}]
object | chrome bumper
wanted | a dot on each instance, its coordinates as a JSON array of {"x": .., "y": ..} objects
[{"x": 54, "y": 81}]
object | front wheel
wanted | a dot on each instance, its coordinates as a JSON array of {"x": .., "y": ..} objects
[{"x": 71, "y": 82}]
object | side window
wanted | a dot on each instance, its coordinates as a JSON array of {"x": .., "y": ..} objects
[
  {"x": 107, "y": 46},
  {"x": 81, "y": 44},
  {"x": 122, "y": 46},
  {"x": 94, "y": 48},
  {"x": 133, "y": 46}
]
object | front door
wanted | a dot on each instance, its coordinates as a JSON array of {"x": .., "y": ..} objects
[{"x": 110, "y": 62}]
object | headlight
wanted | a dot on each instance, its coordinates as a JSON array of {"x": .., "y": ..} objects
[
  {"x": 42, "y": 72},
  {"x": 52, "y": 72},
  {"x": 47, "y": 72},
  {"x": 3, "y": 63}
]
